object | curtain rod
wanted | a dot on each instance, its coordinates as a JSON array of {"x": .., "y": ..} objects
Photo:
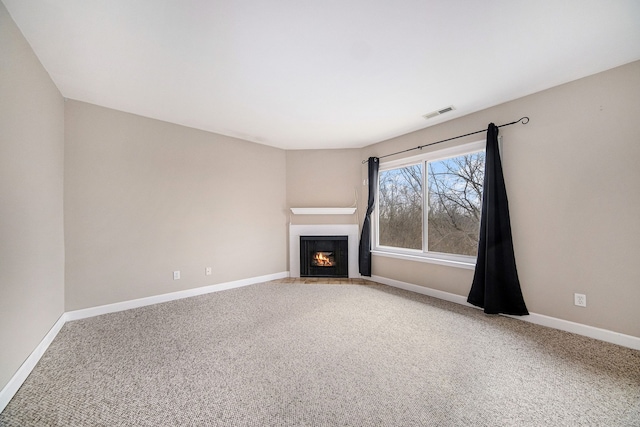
[{"x": 524, "y": 121}]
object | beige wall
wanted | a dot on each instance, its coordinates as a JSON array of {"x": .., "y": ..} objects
[
  {"x": 31, "y": 222},
  {"x": 573, "y": 182},
  {"x": 144, "y": 198},
  {"x": 323, "y": 178}
]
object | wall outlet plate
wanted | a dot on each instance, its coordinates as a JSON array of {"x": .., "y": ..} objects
[
  {"x": 176, "y": 275},
  {"x": 207, "y": 271},
  {"x": 580, "y": 300}
]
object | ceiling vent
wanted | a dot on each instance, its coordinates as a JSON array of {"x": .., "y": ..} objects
[{"x": 438, "y": 112}]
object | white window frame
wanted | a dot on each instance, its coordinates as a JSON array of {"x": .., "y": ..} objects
[{"x": 423, "y": 255}]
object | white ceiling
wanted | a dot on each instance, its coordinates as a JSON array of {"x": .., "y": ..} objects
[{"x": 301, "y": 74}]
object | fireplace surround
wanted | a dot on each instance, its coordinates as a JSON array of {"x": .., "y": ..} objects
[{"x": 298, "y": 230}]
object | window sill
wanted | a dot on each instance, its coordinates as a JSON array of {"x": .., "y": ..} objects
[{"x": 471, "y": 265}]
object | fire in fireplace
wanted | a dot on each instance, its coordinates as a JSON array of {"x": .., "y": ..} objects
[
  {"x": 323, "y": 259},
  {"x": 324, "y": 256}
]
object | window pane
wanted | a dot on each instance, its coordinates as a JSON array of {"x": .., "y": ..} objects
[
  {"x": 400, "y": 219},
  {"x": 455, "y": 204}
]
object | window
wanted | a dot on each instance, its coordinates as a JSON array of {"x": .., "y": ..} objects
[
  {"x": 429, "y": 206},
  {"x": 400, "y": 212}
]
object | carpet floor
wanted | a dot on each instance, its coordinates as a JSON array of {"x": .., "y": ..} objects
[{"x": 312, "y": 354}]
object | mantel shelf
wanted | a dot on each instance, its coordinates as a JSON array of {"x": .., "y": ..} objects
[{"x": 323, "y": 211}]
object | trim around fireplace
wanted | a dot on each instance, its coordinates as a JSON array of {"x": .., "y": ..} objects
[{"x": 295, "y": 231}]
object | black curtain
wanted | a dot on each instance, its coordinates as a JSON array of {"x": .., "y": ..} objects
[
  {"x": 364, "y": 258},
  {"x": 495, "y": 286}
]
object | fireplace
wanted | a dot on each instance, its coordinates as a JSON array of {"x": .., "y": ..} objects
[
  {"x": 298, "y": 230},
  {"x": 324, "y": 256}
]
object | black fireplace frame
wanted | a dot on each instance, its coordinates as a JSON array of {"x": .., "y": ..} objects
[{"x": 338, "y": 245}]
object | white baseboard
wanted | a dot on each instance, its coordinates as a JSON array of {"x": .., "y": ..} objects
[
  {"x": 25, "y": 369},
  {"x": 538, "y": 319},
  {"x": 156, "y": 299}
]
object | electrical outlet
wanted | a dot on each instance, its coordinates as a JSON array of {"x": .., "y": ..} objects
[
  {"x": 580, "y": 300},
  {"x": 207, "y": 271},
  {"x": 176, "y": 275}
]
